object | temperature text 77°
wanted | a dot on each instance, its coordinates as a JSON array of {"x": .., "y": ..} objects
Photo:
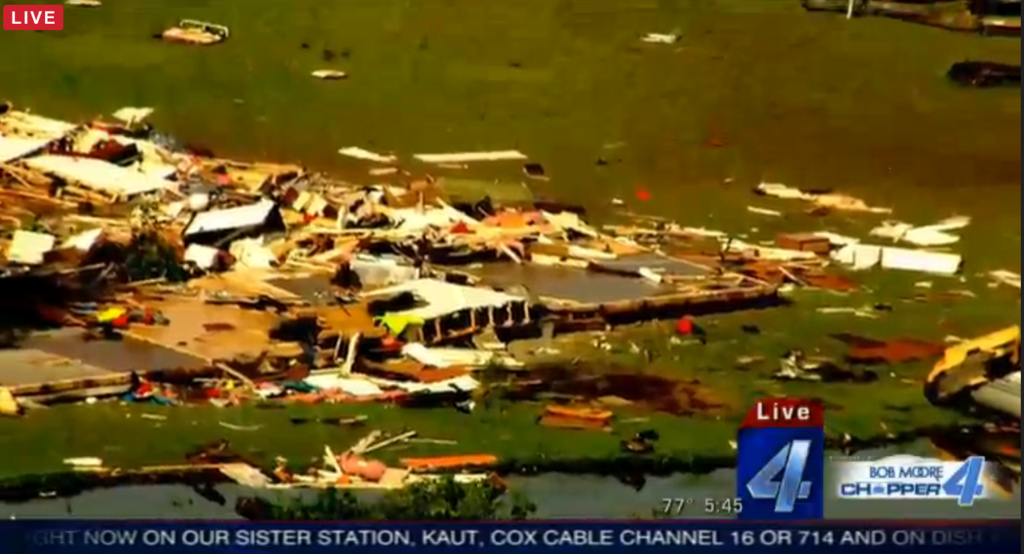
[{"x": 675, "y": 506}]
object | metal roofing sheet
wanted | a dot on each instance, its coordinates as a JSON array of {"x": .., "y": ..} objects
[
  {"x": 12, "y": 148},
  {"x": 98, "y": 175},
  {"x": 231, "y": 218},
  {"x": 445, "y": 298}
]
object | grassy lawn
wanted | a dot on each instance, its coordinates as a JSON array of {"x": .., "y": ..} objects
[{"x": 754, "y": 90}]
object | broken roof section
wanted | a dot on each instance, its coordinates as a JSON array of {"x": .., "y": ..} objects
[
  {"x": 26, "y": 125},
  {"x": 238, "y": 222},
  {"x": 99, "y": 175},
  {"x": 443, "y": 298},
  {"x": 12, "y": 148}
]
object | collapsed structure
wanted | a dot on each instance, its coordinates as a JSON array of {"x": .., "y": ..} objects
[
  {"x": 138, "y": 268},
  {"x": 264, "y": 268}
]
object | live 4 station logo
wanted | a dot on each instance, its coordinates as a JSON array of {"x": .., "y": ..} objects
[
  {"x": 965, "y": 484},
  {"x": 781, "y": 468}
]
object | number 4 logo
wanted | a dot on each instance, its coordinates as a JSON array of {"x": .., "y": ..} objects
[
  {"x": 787, "y": 465},
  {"x": 964, "y": 484}
]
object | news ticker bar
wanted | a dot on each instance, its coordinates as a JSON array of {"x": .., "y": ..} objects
[{"x": 109, "y": 537}]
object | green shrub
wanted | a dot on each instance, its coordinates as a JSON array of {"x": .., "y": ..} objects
[{"x": 433, "y": 500}]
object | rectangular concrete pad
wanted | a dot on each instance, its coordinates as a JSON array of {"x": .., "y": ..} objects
[
  {"x": 116, "y": 356},
  {"x": 20, "y": 367}
]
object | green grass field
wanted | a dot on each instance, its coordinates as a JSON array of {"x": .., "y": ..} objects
[{"x": 754, "y": 90}]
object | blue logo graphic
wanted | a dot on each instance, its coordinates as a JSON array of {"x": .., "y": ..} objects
[
  {"x": 965, "y": 483},
  {"x": 781, "y": 479}
]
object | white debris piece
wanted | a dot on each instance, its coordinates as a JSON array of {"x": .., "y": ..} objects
[
  {"x": 859, "y": 256},
  {"x": 1006, "y": 277},
  {"x": 204, "y": 257},
  {"x": 703, "y": 232},
  {"x": 836, "y": 239},
  {"x": 377, "y": 272},
  {"x": 650, "y": 275},
  {"x": 37, "y": 126},
  {"x": 83, "y": 241},
  {"x": 764, "y": 211},
  {"x": 355, "y": 387},
  {"x": 660, "y": 38},
  {"x": 443, "y": 298},
  {"x": 30, "y": 248},
  {"x": 329, "y": 74},
  {"x": 921, "y": 260},
  {"x": 467, "y": 157},
  {"x": 131, "y": 115},
  {"x": 198, "y": 201},
  {"x": 416, "y": 220},
  {"x": 929, "y": 235},
  {"x": 172, "y": 210},
  {"x": 361, "y": 154},
  {"x": 464, "y": 384},
  {"x": 84, "y": 463},
  {"x": 769, "y": 253},
  {"x": 251, "y": 253},
  {"x": 865, "y": 256},
  {"x": 245, "y": 475},
  {"x": 457, "y": 357},
  {"x": 569, "y": 221},
  {"x": 782, "y": 191},
  {"x": 846, "y": 203},
  {"x": 866, "y": 313},
  {"x": 832, "y": 201},
  {"x": 239, "y": 217}
]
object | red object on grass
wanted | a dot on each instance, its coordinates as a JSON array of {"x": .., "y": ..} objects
[
  {"x": 642, "y": 194},
  {"x": 685, "y": 326}
]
